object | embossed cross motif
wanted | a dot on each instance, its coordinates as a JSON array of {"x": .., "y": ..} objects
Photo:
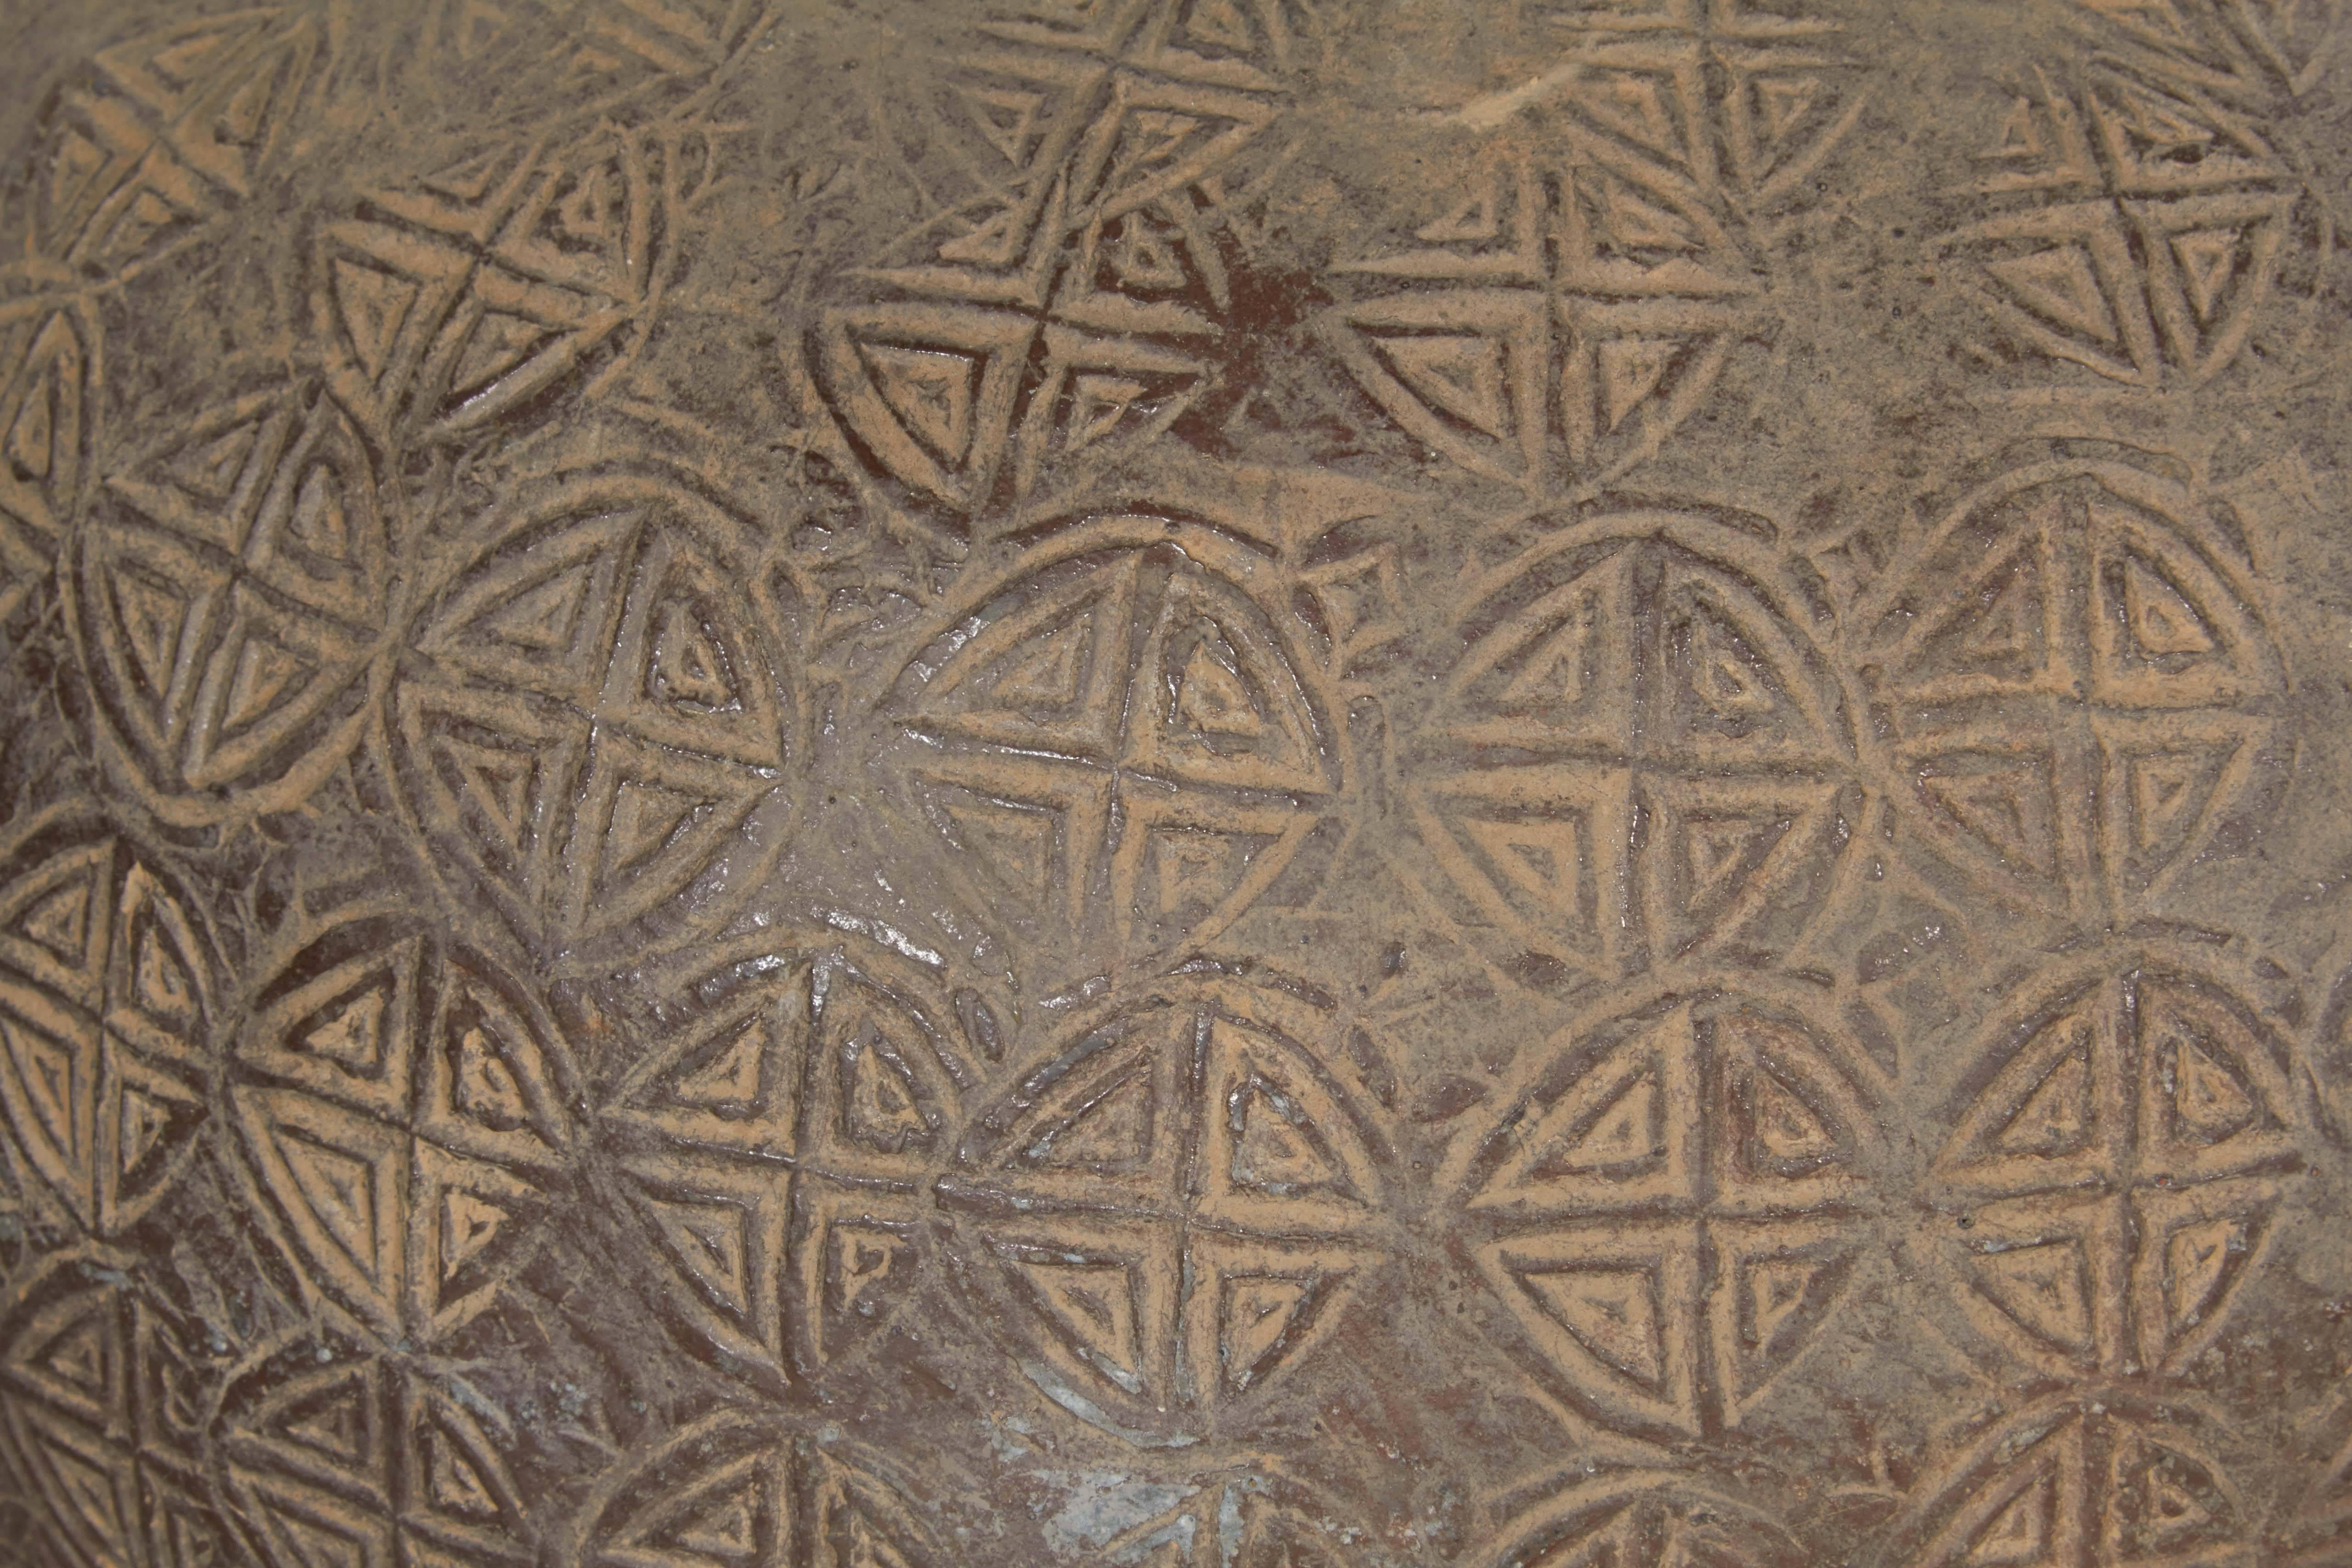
[
  {"x": 1672, "y": 1212},
  {"x": 106, "y": 1013},
  {"x": 1128, "y": 737},
  {"x": 403, "y": 1111},
  {"x": 1645, "y": 753},
  {"x": 1176, "y": 1209},
  {"x": 1739, "y": 98},
  {"x": 227, "y": 595},
  {"x": 590, "y": 713},
  {"x": 1075, "y": 313},
  {"x": 2080, "y": 686},
  {"x": 2143, "y": 229},
  {"x": 2119, "y": 1174},
  {"x": 1602, "y": 277},
  {"x": 773, "y": 1150}
]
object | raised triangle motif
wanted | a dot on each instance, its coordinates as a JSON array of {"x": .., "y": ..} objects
[
  {"x": 161, "y": 986},
  {"x": 1724, "y": 676},
  {"x": 861, "y": 1260},
  {"x": 152, "y": 617},
  {"x": 2057, "y": 1118},
  {"x": 690, "y": 667},
  {"x": 455, "y": 1485},
  {"x": 1631, "y": 370},
  {"x": 1636, "y": 225},
  {"x": 353, "y": 1033},
  {"x": 1539, "y": 859},
  {"x": 82, "y": 1356},
  {"x": 2167, "y": 793},
  {"x": 181, "y": 62},
  {"x": 1723, "y": 854},
  {"x": 646, "y": 820},
  {"x": 209, "y": 468},
  {"x": 91, "y": 1497},
  {"x": 1213, "y": 699},
  {"x": 320, "y": 523},
  {"x": 485, "y": 1087},
  {"x": 543, "y": 618},
  {"x": 1630, "y": 1130},
  {"x": 336, "y": 1423},
  {"x": 2018, "y": 1536},
  {"x": 1633, "y": 106},
  {"x": 2010, "y": 807},
  {"x": 2197, "y": 1267},
  {"x": 1611, "y": 1312},
  {"x": 1781, "y": 103},
  {"x": 1785, "y": 1126},
  {"x": 995, "y": 243},
  {"x": 1258, "y": 1314},
  {"x": 266, "y": 673},
  {"x": 468, "y": 1226},
  {"x": 145, "y": 1120},
  {"x": 374, "y": 306},
  {"x": 1777, "y": 1290},
  {"x": 60, "y": 920},
  {"x": 340, "y": 1189},
  {"x": 77, "y": 161},
  {"x": 2207, "y": 1095},
  {"x": 1475, "y": 217},
  {"x": 470, "y": 179},
  {"x": 1553, "y": 676},
  {"x": 1220, "y": 23},
  {"x": 878, "y": 1094},
  {"x": 2059, "y": 284},
  {"x": 1047, "y": 675},
  {"x": 2043, "y": 1287},
  {"x": 709, "y": 1239},
  {"x": 1276, "y": 1149},
  {"x": 1458, "y": 375},
  {"x": 240, "y": 121},
  {"x": 321, "y": 1544},
  {"x": 499, "y": 782},
  {"x": 2163, "y": 623},
  {"x": 930, "y": 391},
  {"x": 730, "y": 1078},
  {"x": 496, "y": 346},
  {"x": 29, "y": 438},
  {"x": 56, "y": 1076},
  {"x": 1094, "y": 1302},
  {"x": 1006, "y": 119},
  {"x": 1608, "y": 1100},
  {"x": 724, "y": 1530},
  {"x": 1146, "y": 259},
  {"x": 1098, "y": 404},
  {"x": 1111, "y": 1126},
  {"x": 2207, "y": 259},
  {"x": 1016, "y": 842}
]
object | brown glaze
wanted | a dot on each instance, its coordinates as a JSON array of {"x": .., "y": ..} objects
[{"x": 1174, "y": 784}]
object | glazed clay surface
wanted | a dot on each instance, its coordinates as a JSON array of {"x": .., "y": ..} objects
[{"x": 1175, "y": 784}]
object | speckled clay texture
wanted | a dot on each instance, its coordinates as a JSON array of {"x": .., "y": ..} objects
[{"x": 1175, "y": 784}]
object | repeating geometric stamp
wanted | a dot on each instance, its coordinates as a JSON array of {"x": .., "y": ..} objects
[
  {"x": 1676, "y": 1201},
  {"x": 1126, "y": 737},
  {"x": 596, "y": 721},
  {"x": 2080, "y": 684},
  {"x": 1174, "y": 1206},
  {"x": 1644, "y": 754},
  {"x": 771, "y": 1153},
  {"x": 1577, "y": 297},
  {"x": 2130, "y": 1133},
  {"x": 405, "y": 1113},
  {"x": 108, "y": 1005}
]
